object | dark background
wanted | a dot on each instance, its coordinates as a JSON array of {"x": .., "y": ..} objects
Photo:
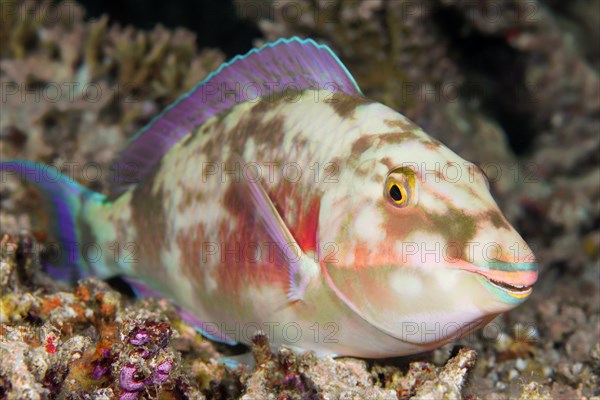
[{"x": 214, "y": 21}]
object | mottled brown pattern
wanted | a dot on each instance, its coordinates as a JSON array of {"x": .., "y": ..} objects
[
  {"x": 404, "y": 221},
  {"x": 254, "y": 124},
  {"x": 232, "y": 272},
  {"x": 497, "y": 219},
  {"x": 439, "y": 176},
  {"x": 238, "y": 273},
  {"x": 190, "y": 197},
  {"x": 455, "y": 226},
  {"x": 338, "y": 161},
  {"x": 403, "y": 124},
  {"x": 367, "y": 141},
  {"x": 396, "y": 137},
  {"x": 401, "y": 223},
  {"x": 148, "y": 217},
  {"x": 117, "y": 221},
  {"x": 267, "y": 102},
  {"x": 472, "y": 192},
  {"x": 362, "y": 144},
  {"x": 266, "y": 135},
  {"x": 431, "y": 143},
  {"x": 263, "y": 132},
  {"x": 251, "y": 124},
  {"x": 345, "y": 105},
  {"x": 200, "y": 131},
  {"x": 192, "y": 245},
  {"x": 389, "y": 163}
]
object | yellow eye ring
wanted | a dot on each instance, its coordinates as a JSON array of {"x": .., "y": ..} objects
[
  {"x": 396, "y": 192},
  {"x": 399, "y": 187}
]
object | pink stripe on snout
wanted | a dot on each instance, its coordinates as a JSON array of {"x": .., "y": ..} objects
[{"x": 514, "y": 278}]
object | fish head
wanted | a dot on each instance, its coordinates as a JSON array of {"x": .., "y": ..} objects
[{"x": 423, "y": 252}]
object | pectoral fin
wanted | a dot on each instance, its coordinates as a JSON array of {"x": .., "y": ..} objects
[{"x": 301, "y": 268}]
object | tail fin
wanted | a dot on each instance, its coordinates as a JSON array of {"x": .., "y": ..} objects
[{"x": 63, "y": 200}]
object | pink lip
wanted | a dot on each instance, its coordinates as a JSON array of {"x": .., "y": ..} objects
[
  {"x": 513, "y": 278},
  {"x": 519, "y": 279}
]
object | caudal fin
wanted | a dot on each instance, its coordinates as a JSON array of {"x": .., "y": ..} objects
[{"x": 63, "y": 200}]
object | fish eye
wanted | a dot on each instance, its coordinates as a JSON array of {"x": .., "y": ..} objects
[
  {"x": 398, "y": 188},
  {"x": 396, "y": 192}
]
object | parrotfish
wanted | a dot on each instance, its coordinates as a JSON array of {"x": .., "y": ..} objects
[{"x": 276, "y": 197}]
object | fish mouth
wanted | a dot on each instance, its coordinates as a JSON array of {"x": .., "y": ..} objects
[
  {"x": 518, "y": 290},
  {"x": 514, "y": 279}
]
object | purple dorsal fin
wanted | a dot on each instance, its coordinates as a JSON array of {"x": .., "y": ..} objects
[{"x": 287, "y": 64}]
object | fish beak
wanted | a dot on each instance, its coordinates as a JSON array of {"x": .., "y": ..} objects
[{"x": 512, "y": 282}]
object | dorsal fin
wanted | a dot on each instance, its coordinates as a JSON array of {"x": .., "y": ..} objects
[{"x": 274, "y": 67}]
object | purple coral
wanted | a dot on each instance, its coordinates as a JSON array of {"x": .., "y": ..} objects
[
  {"x": 146, "y": 340},
  {"x": 165, "y": 367},
  {"x": 131, "y": 385},
  {"x": 128, "y": 381},
  {"x": 162, "y": 371},
  {"x": 161, "y": 374},
  {"x": 294, "y": 381},
  {"x": 139, "y": 338},
  {"x": 102, "y": 366},
  {"x": 99, "y": 371},
  {"x": 128, "y": 396}
]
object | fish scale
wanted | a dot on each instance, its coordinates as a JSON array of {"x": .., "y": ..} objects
[{"x": 325, "y": 219}]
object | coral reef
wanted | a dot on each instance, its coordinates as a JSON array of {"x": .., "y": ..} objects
[
  {"x": 89, "y": 342},
  {"x": 511, "y": 85}
]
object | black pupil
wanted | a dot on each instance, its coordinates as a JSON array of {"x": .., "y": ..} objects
[{"x": 395, "y": 193}]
